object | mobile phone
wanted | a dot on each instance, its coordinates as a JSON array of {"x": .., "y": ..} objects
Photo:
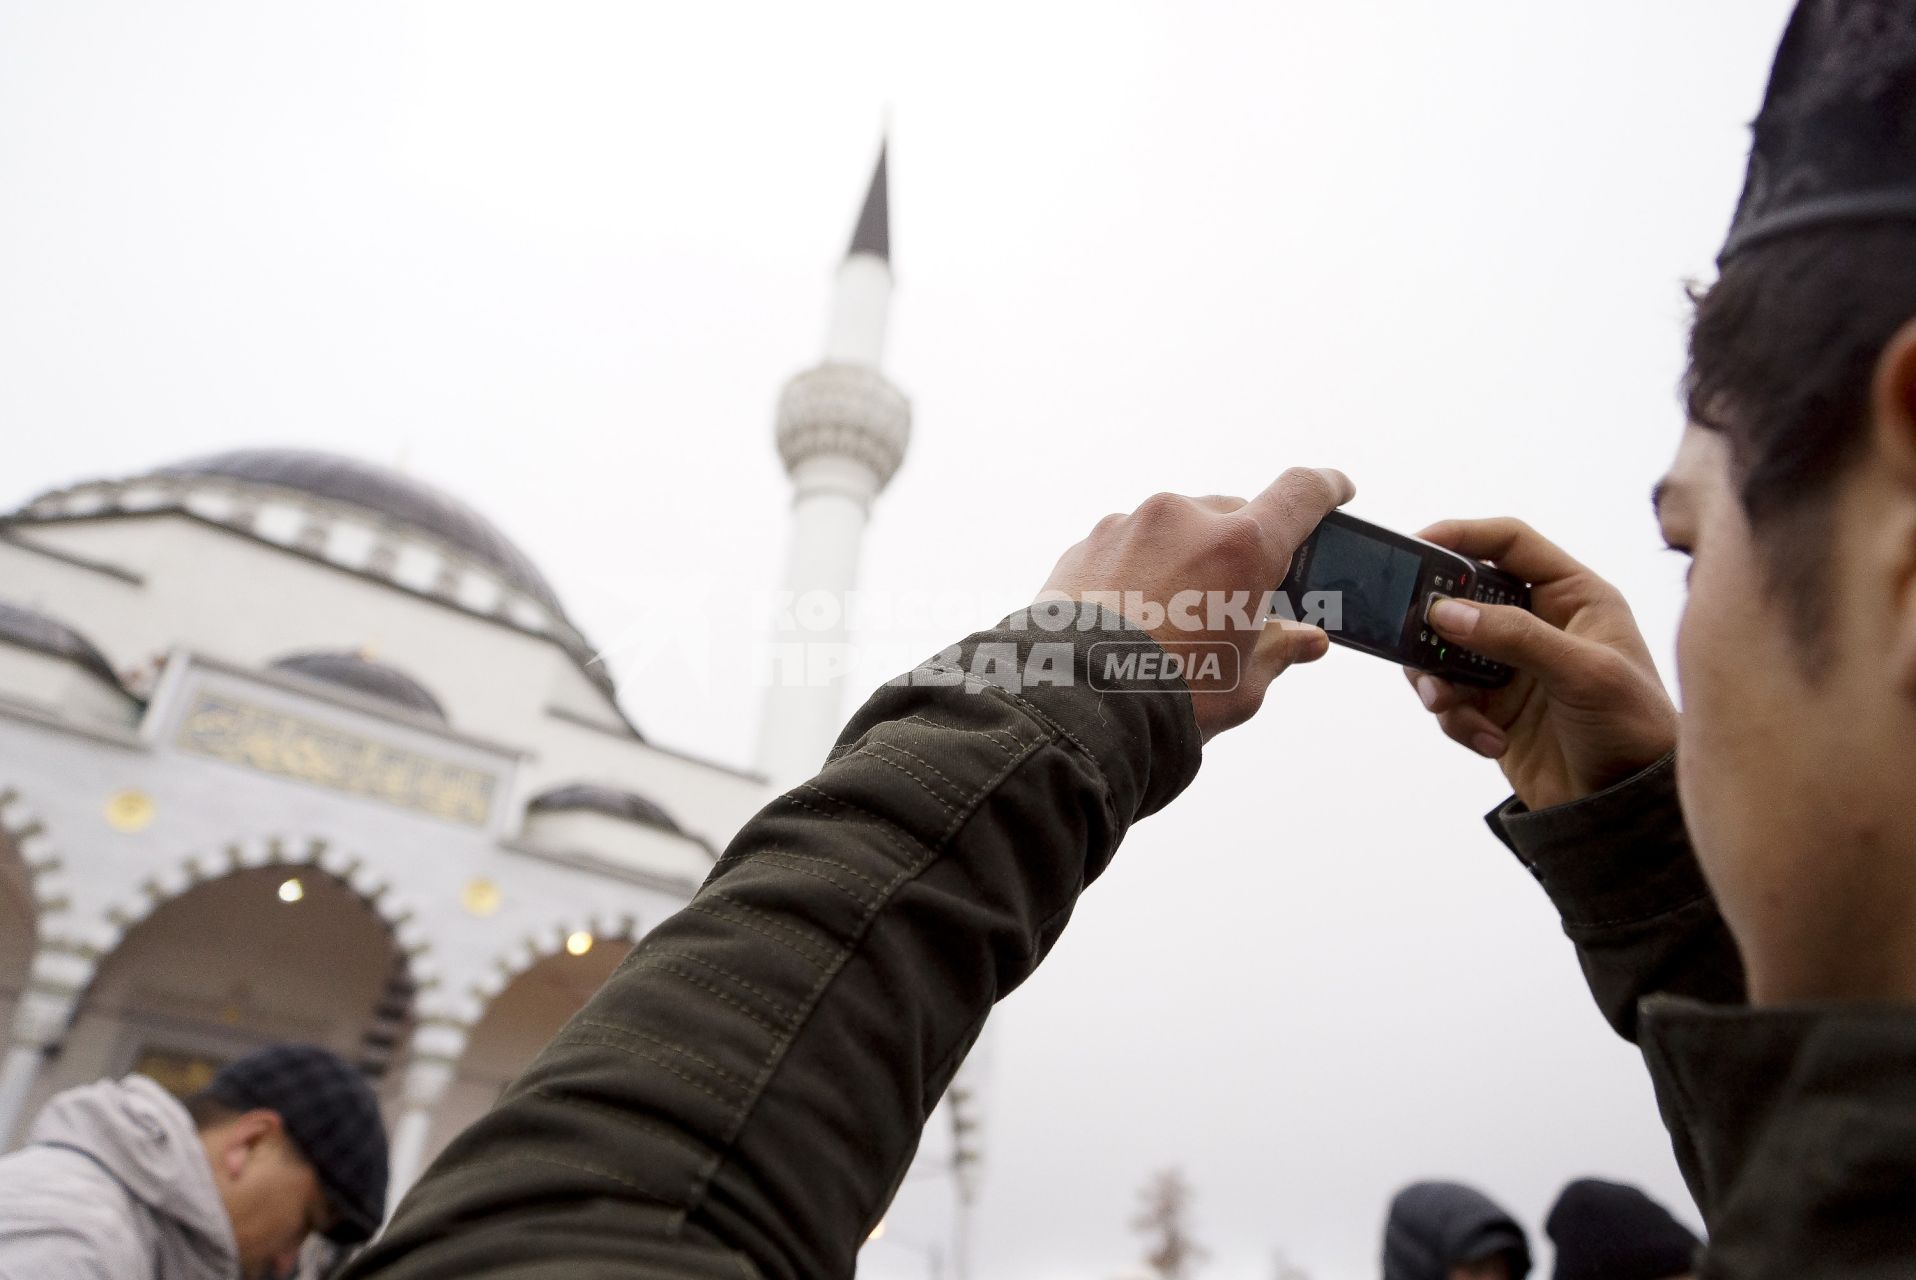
[{"x": 1370, "y": 588}]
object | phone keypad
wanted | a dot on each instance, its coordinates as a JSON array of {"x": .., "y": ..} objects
[{"x": 1497, "y": 590}]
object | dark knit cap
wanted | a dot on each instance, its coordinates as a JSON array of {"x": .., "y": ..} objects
[
  {"x": 332, "y": 1117},
  {"x": 1608, "y": 1231},
  {"x": 1835, "y": 141}
]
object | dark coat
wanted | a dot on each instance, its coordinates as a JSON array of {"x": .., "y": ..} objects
[{"x": 1433, "y": 1226}]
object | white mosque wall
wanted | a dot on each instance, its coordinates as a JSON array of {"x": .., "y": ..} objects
[
  {"x": 60, "y": 688},
  {"x": 42, "y": 581},
  {"x": 618, "y": 844},
  {"x": 209, "y": 767},
  {"x": 215, "y": 591}
]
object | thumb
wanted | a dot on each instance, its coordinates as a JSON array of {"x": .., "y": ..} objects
[
  {"x": 1510, "y": 635},
  {"x": 1281, "y": 644}
]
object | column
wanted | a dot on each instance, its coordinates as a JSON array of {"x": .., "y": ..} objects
[
  {"x": 436, "y": 1050},
  {"x": 54, "y": 983}
]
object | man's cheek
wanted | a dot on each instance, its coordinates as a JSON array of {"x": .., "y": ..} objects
[{"x": 1689, "y": 651}]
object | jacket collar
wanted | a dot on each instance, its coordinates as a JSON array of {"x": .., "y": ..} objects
[{"x": 1796, "y": 1128}]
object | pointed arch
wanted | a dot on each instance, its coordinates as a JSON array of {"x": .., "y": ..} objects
[
  {"x": 530, "y": 991},
  {"x": 372, "y": 1035},
  {"x": 517, "y": 960}
]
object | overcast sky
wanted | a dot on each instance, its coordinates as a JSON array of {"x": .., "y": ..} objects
[{"x": 559, "y": 257}]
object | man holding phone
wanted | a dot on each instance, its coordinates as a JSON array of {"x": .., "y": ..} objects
[{"x": 1745, "y": 908}]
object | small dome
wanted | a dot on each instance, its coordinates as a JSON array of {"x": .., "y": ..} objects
[
  {"x": 375, "y": 679},
  {"x": 398, "y": 497},
  {"x": 31, "y": 629},
  {"x": 592, "y": 797}
]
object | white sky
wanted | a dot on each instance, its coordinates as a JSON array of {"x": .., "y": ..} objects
[{"x": 559, "y": 257}]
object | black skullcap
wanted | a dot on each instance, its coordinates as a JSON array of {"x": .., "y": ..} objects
[
  {"x": 1609, "y": 1231},
  {"x": 332, "y": 1117},
  {"x": 1836, "y": 138}
]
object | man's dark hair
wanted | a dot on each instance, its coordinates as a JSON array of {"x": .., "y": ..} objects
[
  {"x": 208, "y": 1111},
  {"x": 1782, "y": 354}
]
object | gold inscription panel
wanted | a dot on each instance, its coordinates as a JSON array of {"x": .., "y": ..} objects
[{"x": 292, "y": 746}]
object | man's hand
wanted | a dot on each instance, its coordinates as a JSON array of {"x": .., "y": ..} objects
[
  {"x": 1194, "y": 571},
  {"x": 1586, "y": 709}
]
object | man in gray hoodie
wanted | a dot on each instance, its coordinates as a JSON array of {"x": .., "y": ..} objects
[{"x": 121, "y": 1181}]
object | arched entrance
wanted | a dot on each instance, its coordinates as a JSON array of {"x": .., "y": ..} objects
[
  {"x": 284, "y": 952},
  {"x": 518, "y": 1022}
]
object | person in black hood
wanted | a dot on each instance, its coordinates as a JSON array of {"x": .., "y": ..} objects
[
  {"x": 1611, "y": 1231},
  {"x": 1447, "y": 1231}
]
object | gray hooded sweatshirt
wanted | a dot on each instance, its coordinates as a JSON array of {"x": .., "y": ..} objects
[{"x": 113, "y": 1185}]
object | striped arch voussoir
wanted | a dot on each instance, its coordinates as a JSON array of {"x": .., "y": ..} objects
[
  {"x": 45, "y": 866},
  {"x": 508, "y": 965}
]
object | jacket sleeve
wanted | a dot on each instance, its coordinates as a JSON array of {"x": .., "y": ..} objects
[
  {"x": 743, "y": 1095},
  {"x": 1619, "y": 868}
]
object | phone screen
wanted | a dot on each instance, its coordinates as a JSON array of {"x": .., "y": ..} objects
[{"x": 1375, "y": 580}]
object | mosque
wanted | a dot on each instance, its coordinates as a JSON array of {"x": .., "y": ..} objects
[{"x": 297, "y": 747}]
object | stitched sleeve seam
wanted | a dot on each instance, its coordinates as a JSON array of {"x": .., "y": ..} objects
[
  {"x": 577, "y": 1167},
  {"x": 870, "y": 751},
  {"x": 624, "y": 1116},
  {"x": 627, "y": 1032},
  {"x": 780, "y": 1028},
  {"x": 773, "y": 1004},
  {"x": 732, "y": 1105},
  {"x": 797, "y": 943}
]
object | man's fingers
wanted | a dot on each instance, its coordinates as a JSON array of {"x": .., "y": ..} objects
[
  {"x": 1470, "y": 727},
  {"x": 1221, "y": 503},
  {"x": 1294, "y": 504},
  {"x": 1458, "y": 712},
  {"x": 1516, "y": 637},
  {"x": 1436, "y": 693},
  {"x": 1510, "y": 543}
]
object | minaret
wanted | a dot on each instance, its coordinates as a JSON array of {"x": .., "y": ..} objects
[{"x": 842, "y": 431}]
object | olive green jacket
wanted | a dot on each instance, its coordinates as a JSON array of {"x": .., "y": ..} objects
[
  {"x": 743, "y": 1095},
  {"x": 1795, "y": 1128}
]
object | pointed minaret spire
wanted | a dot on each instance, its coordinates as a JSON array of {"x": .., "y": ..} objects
[
  {"x": 842, "y": 431},
  {"x": 873, "y": 233}
]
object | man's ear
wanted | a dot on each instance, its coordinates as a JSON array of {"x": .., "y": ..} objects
[
  {"x": 1893, "y": 441},
  {"x": 244, "y": 1136},
  {"x": 1893, "y": 405}
]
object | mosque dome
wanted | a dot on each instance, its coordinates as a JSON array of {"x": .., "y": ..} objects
[
  {"x": 613, "y": 802},
  {"x": 30, "y": 629},
  {"x": 363, "y": 675},
  {"x": 358, "y": 515},
  {"x": 396, "y": 496}
]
